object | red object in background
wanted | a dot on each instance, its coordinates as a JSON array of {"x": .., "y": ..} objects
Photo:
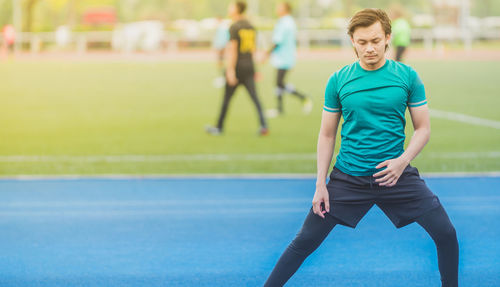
[
  {"x": 9, "y": 34},
  {"x": 100, "y": 16}
]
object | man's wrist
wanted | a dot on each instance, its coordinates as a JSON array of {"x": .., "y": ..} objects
[
  {"x": 321, "y": 182},
  {"x": 405, "y": 159}
]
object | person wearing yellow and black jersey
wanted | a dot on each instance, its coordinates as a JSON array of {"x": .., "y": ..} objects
[{"x": 240, "y": 65}]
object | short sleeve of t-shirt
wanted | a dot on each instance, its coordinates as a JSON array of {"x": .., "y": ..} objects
[
  {"x": 233, "y": 33},
  {"x": 332, "y": 103},
  {"x": 416, "y": 96}
]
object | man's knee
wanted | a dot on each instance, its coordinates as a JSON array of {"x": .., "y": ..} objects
[
  {"x": 304, "y": 244},
  {"x": 447, "y": 235},
  {"x": 451, "y": 233}
]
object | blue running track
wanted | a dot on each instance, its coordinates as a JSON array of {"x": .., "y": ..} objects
[{"x": 225, "y": 232}]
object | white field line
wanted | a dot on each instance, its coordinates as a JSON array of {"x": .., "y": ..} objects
[
  {"x": 210, "y": 157},
  {"x": 156, "y": 158},
  {"x": 465, "y": 118}
]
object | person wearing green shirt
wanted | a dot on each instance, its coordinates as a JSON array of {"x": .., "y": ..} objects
[
  {"x": 401, "y": 33},
  {"x": 372, "y": 167}
]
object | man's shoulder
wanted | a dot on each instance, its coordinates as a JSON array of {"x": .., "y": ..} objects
[
  {"x": 401, "y": 68},
  {"x": 241, "y": 24},
  {"x": 398, "y": 65},
  {"x": 345, "y": 71},
  {"x": 289, "y": 21}
]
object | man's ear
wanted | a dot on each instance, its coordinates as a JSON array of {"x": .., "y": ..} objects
[
  {"x": 353, "y": 47},
  {"x": 388, "y": 37}
]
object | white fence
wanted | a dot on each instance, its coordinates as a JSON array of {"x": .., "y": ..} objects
[{"x": 82, "y": 42}]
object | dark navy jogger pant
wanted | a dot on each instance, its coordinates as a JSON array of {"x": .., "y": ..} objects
[{"x": 351, "y": 197}]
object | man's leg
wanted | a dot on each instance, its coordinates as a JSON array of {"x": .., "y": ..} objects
[
  {"x": 249, "y": 84},
  {"x": 440, "y": 228},
  {"x": 228, "y": 94},
  {"x": 399, "y": 53},
  {"x": 289, "y": 88},
  {"x": 280, "y": 88},
  {"x": 313, "y": 232}
]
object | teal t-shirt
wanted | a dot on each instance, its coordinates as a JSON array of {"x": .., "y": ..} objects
[
  {"x": 221, "y": 37},
  {"x": 373, "y": 105},
  {"x": 283, "y": 57}
]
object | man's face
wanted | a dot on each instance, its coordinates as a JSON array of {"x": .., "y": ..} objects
[
  {"x": 232, "y": 11},
  {"x": 369, "y": 44},
  {"x": 281, "y": 10}
]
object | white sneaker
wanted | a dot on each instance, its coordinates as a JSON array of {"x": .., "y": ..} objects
[
  {"x": 219, "y": 82},
  {"x": 213, "y": 130},
  {"x": 272, "y": 113},
  {"x": 307, "y": 107}
]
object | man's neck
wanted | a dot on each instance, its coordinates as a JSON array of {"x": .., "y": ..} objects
[
  {"x": 238, "y": 18},
  {"x": 373, "y": 67}
]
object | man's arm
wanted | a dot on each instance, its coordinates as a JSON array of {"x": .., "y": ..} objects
[
  {"x": 422, "y": 131},
  {"x": 326, "y": 145},
  {"x": 232, "y": 56}
]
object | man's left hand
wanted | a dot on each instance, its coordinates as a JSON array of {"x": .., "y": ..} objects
[{"x": 390, "y": 175}]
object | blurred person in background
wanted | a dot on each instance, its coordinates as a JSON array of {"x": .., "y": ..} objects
[
  {"x": 372, "y": 166},
  {"x": 219, "y": 43},
  {"x": 9, "y": 38},
  {"x": 283, "y": 54},
  {"x": 240, "y": 67},
  {"x": 401, "y": 32}
]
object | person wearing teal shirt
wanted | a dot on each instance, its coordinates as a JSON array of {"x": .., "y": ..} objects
[
  {"x": 219, "y": 42},
  {"x": 401, "y": 34},
  {"x": 372, "y": 167},
  {"x": 283, "y": 54}
]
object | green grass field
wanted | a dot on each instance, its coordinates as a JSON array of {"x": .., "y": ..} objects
[{"x": 156, "y": 109}]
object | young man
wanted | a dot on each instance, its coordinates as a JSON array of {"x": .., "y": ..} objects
[
  {"x": 283, "y": 53},
  {"x": 240, "y": 66},
  {"x": 372, "y": 166}
]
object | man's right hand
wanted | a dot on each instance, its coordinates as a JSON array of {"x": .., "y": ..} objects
[
  {"x": 231, "y": 78},
  {"x": 321, "y": 196}
]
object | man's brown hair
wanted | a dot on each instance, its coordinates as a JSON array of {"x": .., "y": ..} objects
[
  {"x": 368, "y": 17},
  {"x": 241, "y": 6},
  {"x": 287, "y": 6}
]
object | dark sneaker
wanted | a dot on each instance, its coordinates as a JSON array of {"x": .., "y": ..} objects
[{"x": 263, "y": 131}]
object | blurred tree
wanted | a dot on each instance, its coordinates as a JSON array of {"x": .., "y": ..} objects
[
  {"x": 28, "y": 14},
  {"x": 5, "y": 12},
  {"x": 485, "y": 8}
]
